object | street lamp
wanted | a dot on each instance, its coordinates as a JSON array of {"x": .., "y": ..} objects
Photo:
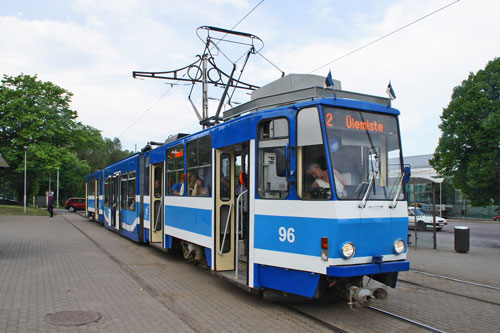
[{"x": 25, "y": 159}]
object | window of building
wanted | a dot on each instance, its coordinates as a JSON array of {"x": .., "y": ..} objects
[
  {"x": 175, "y": 170},
  {"x": 199, "y": 167},
  {"x": 273, "y": 166}
]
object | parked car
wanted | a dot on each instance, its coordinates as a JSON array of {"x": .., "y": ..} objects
[
  {"x": 74, "y": 204},
  {"x": 424, "y": 222},
  {"x": 5, "y": 201},
  {"x": 496, "y": 218}
]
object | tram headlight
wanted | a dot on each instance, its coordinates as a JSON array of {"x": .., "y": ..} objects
[
  {"x": 399, "y": 246},
  {"x": 348, "y": 250}
]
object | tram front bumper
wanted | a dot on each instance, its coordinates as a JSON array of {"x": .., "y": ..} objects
[{"x": 368, "y": 269}]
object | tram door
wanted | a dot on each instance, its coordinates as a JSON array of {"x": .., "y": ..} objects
[
  {"x": 115, "y": 200},
  {"x": 225, "y": 210},
  {"x": 97, "y": 194},
  {"x": 157, "y": 203}
]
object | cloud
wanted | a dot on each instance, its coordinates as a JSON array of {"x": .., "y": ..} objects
[
  {"x": 91, "y": 47},
  {"x": 424, "y": 61}
]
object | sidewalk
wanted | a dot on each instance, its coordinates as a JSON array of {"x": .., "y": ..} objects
[
  {"x": 68, "y": 263},
  {"x": 47, "y": 266}
]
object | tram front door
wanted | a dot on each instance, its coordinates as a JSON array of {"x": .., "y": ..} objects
[
  {"x": 157, "y": 204},
  {"x": 225, "y": 209}
]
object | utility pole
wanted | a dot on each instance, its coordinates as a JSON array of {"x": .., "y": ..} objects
[
  {"x": 25, "y": 159},
  {"x": 57, "y": 197}
]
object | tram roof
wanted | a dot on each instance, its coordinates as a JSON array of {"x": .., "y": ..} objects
[{"x": 296, "y": 88}]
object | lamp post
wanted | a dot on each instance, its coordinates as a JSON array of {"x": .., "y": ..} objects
[{"x": 25, "y": 160}]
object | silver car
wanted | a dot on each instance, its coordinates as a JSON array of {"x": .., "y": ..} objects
[{"x": 424, "y": 222}]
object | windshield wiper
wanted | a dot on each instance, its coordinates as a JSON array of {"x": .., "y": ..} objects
[
  {"x": 400, "y": 187},
  {"x": 373, "y": 175}
]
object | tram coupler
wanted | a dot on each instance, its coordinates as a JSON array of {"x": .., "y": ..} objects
[{"x": 364, "y": 297}]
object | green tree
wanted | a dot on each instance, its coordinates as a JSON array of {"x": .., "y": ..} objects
[
  {"x": 469, "y": 147},
  {"x": 105, "y": 153},
  {"x": 37, "y": 115}
]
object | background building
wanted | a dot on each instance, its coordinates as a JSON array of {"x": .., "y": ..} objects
[{"x": 449, "y": 201}]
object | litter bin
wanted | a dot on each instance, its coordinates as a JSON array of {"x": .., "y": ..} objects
[{"x": 462, "y": 239}]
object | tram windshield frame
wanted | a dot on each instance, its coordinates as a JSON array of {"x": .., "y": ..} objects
[{"x": 365, "y": 154}]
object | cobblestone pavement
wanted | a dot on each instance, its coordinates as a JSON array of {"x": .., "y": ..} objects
[
  {"x": 69, "y": 263},
  {"x": 48, "y": 265}
]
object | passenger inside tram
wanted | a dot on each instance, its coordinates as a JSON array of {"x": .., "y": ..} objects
[{"x": 198, "y": 189}]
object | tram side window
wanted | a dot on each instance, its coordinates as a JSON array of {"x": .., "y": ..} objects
[
  {"x": 175, "y": 170},
  {"x": 123, "y": 193},
  {"x": 312, "y": 170},
  {"x": 106, "y": 191},
  {"x": 131, "y": 191},
  {"x": 91, "y": 186},
  {"x": 272, "y": 169},
  {"x": 199, "y": 167},
  {"x": 146, "y": 176},
  {"x": 157, "y": 179}
]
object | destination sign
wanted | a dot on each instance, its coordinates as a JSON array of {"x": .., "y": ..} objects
[{"x": 359, "y": 121}]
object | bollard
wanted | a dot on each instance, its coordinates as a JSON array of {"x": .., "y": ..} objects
[{"x": 462, "y": 239}]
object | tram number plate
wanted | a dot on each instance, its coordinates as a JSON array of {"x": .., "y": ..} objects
[{"x": 286, "y": 234}]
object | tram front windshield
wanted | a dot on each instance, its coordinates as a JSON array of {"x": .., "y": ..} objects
[{"x": 365, "y": 154}]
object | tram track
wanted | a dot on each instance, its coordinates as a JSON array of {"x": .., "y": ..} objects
[
  {"x": 454, "y": 280},
  {"x": 457, "y": 280},
  {"x": 407, "y": 320},
  {"x": 336, "y": 328},
  {"x": 326, "y": 324},
  {"x": 449, "y": 292}
]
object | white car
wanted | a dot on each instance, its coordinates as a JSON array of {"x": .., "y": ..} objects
[{"x": 424, "y": 222}]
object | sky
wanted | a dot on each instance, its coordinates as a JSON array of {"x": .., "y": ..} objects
[{"x": 91, "y": 47}]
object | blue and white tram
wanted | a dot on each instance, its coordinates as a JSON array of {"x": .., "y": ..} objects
[
  {"x": 121, "y": 198},
  {"x": 300, "y": 191}
]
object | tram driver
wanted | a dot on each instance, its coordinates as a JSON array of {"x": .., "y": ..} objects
[{"x": 321, "y": 183}]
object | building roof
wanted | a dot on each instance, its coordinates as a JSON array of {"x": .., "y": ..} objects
[
  {"x": 418, "y": 161},
  {"x": 421, "y": 170}
]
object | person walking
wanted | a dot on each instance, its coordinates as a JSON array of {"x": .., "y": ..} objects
[{"x": 51, "y": 205}]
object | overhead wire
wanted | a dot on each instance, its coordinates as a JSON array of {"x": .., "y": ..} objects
[
  {"x": 244, "y": 17},
  {"x": 384, "y": 36},
  {"x": 171, "y": 87},
  {"x": 147, "y": 110}
]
